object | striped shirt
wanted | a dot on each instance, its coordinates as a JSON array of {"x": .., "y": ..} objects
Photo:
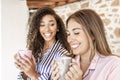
[
  {"x": 44, "y": 64},
  {"x": 103, "y": 68}
]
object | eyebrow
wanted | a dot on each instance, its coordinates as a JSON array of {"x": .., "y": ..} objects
[
  {"x": 73, "y": 29},
  {"x": 49, "y": 21},
  {"x": 77, "y": 28}
]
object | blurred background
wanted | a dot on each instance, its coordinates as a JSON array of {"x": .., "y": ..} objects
[{"x": 16, "y": 13}]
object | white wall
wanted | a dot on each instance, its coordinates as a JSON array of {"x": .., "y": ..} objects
[
  {"x": 0, "y": 40},
  {"x": 14, "y": 27}
]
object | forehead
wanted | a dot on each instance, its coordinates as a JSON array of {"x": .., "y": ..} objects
[
  {"x": 48, "y": 17},
  {"x": 72, "y": 24}
]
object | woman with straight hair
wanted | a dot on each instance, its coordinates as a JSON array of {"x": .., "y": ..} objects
[{"x": 93, "y": 59}]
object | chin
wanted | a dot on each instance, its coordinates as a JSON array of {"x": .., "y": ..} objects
[
  {"x": 48, "y": 39},
  {"x": 76, "y": 52}
]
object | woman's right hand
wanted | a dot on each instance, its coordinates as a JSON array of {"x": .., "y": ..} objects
[
  {"x": 17, "y": 60},
  {"x": 75, "y": 72},
  {"x": 54, "y": 71},
  {"x": 26, "y": 65}
]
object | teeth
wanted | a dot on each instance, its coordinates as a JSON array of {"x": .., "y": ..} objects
[
  {"x": 74, "y": 46},
  {"x": 47, "y": 34}
]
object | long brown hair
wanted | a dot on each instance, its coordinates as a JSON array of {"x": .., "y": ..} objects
[
  {"x": 94, "y": 26},
  {"x": 35, "y": 41}
]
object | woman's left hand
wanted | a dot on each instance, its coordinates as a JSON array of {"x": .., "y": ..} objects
[
  {"x": 54, "y": 71},
  {"x": 27, "y": 65},
  {"x": 75, "y": 72}
]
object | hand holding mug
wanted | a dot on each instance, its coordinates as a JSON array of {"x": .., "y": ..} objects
[
  {"x": 75, "y": 72},
  {"x": 61, "y": 66},
  {"x": 25, "y": 62}
]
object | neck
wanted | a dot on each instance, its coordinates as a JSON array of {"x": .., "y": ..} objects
[
  {"x": 85, "y": 61},
  {"x": 86, "y": 57},
  {"x": 48, "y": 44}
]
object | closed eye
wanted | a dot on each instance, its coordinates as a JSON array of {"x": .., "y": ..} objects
[
  {"x": 68, "y": 34},
  {"x": 77, "y": 33}
]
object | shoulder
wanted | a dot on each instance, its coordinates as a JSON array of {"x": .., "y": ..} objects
[
  {"x": 61, "y": 51},
  {"x": 115, "y": 59},
  {"x": 107, "y": 67},
  {"x": 111, "y": 60},
  {"x": 60, "y": 48}
]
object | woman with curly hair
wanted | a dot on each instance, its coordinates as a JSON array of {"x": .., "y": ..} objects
[{"x": 47, "y": 39}]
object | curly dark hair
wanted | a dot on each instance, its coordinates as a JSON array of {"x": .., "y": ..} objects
[{"x": 35, "y": 41}]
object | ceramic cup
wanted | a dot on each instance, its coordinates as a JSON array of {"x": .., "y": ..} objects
[
  {"x": 25, "y": 52},
  {"x": 63, "y": 65}
]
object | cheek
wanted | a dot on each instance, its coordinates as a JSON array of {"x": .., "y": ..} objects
[
  {"x": 68, "y": 39},
  {"x": 40, "y": 30},
  {"x": 85, "y": 44},
  {"x": 54, "y": 31},
  {"x": 53, "y": 28}
]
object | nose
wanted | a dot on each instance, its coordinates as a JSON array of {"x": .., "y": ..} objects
[
  {"x": 70, "y": 38},
  {"x": 47, "y": 28}
]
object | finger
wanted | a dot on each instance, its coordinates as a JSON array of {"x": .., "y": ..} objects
[
  {"x": 76, "y": 71},
  {"x": 18, "y": 66},
  {"x": 76, "y": 68},
  {"x": 72, "y": 72},
  {"x": 54, "y": 71},
  {"x": 24, "y": 63},
  {"x": 67, "y": 77},
  {"x": 69, "y": 74},
  {"x": 55, "y": 75},
  {"x": 20, "y": 63},
  {"x": 28, "y": 60},
  {"x": 53, "y": 62},
  {"x": 33, "y": 58},
  {"x": 16, "y": 57},
  {"x": 54, "y": 66},
  {"x": 17, "y": 61},
  {"x": 76, "y": 60}
]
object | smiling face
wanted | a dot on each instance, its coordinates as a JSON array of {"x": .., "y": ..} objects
[
  {"x": 48, "y": 28},
  {"x": 77, "y": 38}
]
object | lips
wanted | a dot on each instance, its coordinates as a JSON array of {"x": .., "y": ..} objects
[
  {"x": 47, "y": 34},
  {"x": 75, "y": 45}
]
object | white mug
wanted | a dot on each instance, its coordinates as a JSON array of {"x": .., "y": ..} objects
[{"x": 63, "y": 65}]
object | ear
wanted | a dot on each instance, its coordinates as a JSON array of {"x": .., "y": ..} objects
[{"x": 57, "y": 30}]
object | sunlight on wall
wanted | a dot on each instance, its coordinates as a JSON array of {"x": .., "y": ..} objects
[{"x": 109, "y": 11}]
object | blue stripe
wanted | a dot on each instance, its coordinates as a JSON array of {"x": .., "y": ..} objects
[{"x": 44, "y": 64}]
